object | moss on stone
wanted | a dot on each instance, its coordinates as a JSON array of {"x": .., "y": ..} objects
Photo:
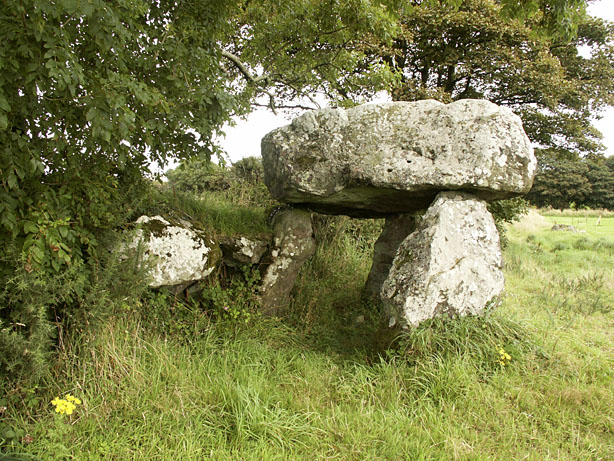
[
  {"x": 306, "y": 161},
  {"x": 154, "y": 227}
]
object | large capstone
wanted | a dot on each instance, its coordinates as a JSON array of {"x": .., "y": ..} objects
[
  {"x": 377, "y": 159},
  {"x": 178, "y": 254},
  {"x": 451, "y": 264}
]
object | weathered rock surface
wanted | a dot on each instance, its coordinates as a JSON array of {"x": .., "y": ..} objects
[
  {"x": 451, "y": 264},
  {"x": 293, "y": 244},
  {"x": 242, "y": 250},
  {"x": 377, "y": 159},
  {"x": 396, "y": 229},
  {"x": 182, "y": 253}
]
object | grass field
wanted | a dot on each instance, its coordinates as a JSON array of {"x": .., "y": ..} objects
[
  {"x": 317, "y": 385},
  {"x": 588, "y": 224}
]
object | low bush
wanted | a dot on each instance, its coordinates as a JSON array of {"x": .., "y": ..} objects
[
  {"x": 38, "y": 307},
  {"x": 507, "y": 212}
]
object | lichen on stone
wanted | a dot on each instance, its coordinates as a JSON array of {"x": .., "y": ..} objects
[{"x": 178, "y": 253}]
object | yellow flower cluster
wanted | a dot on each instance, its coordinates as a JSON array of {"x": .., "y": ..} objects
[
  {"x": 66, "y": 405},
  {"x": 504, "y": 357}
]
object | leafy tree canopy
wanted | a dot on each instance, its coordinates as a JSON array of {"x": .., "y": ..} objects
[
  {"x": 478, "y": 51},
  {"x": 92, "y": 93},
  {"x": 562, "y": 180}
]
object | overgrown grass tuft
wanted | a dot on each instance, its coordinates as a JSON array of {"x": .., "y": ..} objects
[
  {"x": 476, "y": 338},
  {"x": 212, "y": 211}
]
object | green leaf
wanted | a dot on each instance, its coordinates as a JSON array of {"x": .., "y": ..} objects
[
  {"x": 30, "y": 228},
  {"x": 4, "y": 105},
  {"x": 11, "y": 180},
  {"x": 71, "y": 6},
  {"x": 91, "y": 114},
  {"x": 106, "y": 135},
  {"x": 37, "y": 253}
]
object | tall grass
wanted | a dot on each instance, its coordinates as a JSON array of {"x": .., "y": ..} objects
[
  {"x": 318, "y": 385},
  {"x": 213, "y": 211}
]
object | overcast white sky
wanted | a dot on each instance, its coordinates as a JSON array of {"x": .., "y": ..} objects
[{"x": 243, "y": 140}]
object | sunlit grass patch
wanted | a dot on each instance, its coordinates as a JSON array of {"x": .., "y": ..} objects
[
  {"x": 591, "y": 224},
  {"x": 213, "y": 211}
]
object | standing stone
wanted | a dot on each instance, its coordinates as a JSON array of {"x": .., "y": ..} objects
[
  {"x": 396, "y": 228},
  {"x": 293, "y": 244},
  {"x": 239, "y": 251},
  {"x": 378, "y": 159},
  {"x": 451, "y": 264},
  {"x": 397, "y": 159}
]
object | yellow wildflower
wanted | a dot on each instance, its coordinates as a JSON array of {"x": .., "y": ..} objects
[
  {"x": 504, "y": 357},
  {"x": 72, "y": 399},
  {"x": 65, "y": 406}
]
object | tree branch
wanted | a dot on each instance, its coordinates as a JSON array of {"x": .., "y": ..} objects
[
  {"x": 259, "y": 80},
  {"x": 285, "y": 106},
  {"x": 262, "y": 80},
  {"x": 311, "y": 99},
  {"x": 243, "y": 68}
]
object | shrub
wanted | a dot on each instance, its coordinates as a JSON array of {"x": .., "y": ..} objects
[
  {"x": 242, "y": 184},
  {"x": 36, "y": 305},
  {"x": 249, "y": 169},
  {"x": 507, "y": 211},
  {"x": 232, "y": 298},
  {"x": 198, "y": 175}
]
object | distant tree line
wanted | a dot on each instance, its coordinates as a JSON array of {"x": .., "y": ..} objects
[{"x": 564, "y": 182}]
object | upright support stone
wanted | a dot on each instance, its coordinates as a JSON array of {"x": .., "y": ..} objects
[
  {"x": 451, "y": 264},
  {"x": 293, "y": 244},
  {"x": 396, "y": 229}
]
